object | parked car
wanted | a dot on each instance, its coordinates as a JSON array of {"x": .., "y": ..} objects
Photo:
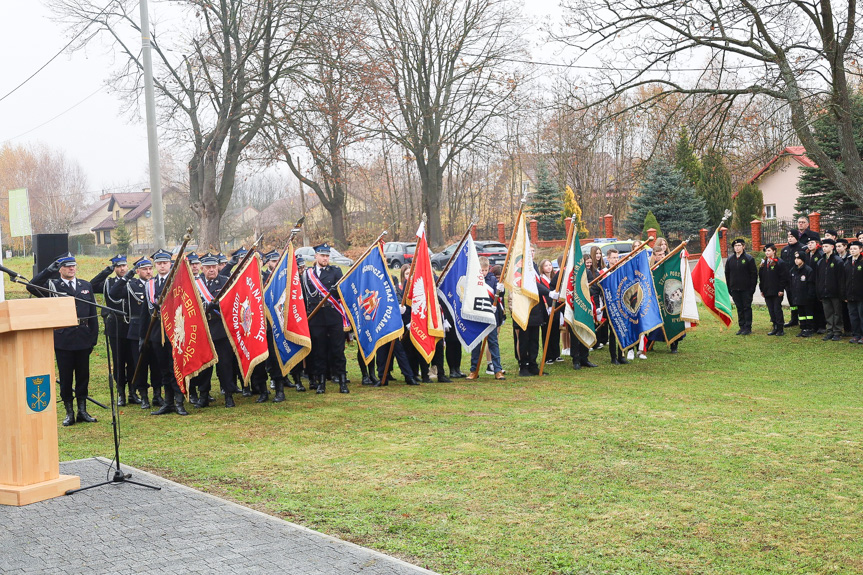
[
  {"x": 605, "y": 244},
  {"x": 439, "y": 260},
  {"x": 308, "y": 254},
  {"x": 494, "y": 251},
  {"x": 400, "y": 253}
]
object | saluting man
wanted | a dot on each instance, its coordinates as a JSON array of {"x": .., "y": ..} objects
[
  {"x": 741, "y": 275},
  {"x": 117, "y": 326},
  {"x": 72, "y": 345},
  {"x": 327, "y": 326}
]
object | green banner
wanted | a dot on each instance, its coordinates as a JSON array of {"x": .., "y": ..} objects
[
  {"x": 19, "y": 213},
  {"x": 668, "y": 280}
]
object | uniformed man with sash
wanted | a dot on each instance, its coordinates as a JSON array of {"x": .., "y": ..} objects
[
  {"x": 117, "y": 326},
  {"x": 327, "y": 327}
]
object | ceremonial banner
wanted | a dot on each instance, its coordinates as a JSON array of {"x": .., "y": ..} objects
[
  {"x": 286, "y": 311},
  {"x": 19, "y": 213},
  {"x": 242, "y": 308},
  {"x": 520, "y": 278},
  {"x": 468, "y": 297},
  {"x": 426, "y": 325},
  {"x": 669, "y": 280},
  {"x": 630, "y": 299},
  {"x": 709, "y": 280},
  {"x": 371, "y": 303},
  {"x": 578, "y": 308},
  {"x": 690, "y": 305},
  {"x": 186, "y": 326}
]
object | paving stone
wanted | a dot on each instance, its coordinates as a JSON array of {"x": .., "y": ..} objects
[{"x": 127, "y": 529}]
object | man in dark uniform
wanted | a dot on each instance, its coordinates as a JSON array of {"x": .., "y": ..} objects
[
  {"x": 271, "y": 365},
  {"x": 773, "y": 279},
  {"x": 160, "y": 342},
  {"x": 842, "y": 252},
  {"x": 327, "y": 326},
  {"x": 213, "y": 284},
  {"x": 741, "y": 275},
  {"x": 116, "y": 327},
  {"x": 854, "y": 290},
  {"x": 195, "y": 264},
  {"x": 296, "y": 372},
  {"x": 528, "y": 340},
  {"x": 805, "y": 232},
  {"x": 787, "y": 256},
  {"x": 802, "y": 292},
  {"x": 816, "y": 254},
  {"x": 72, "y": 345},
  {"x": 829, "y": 288},
  {"x": 131, "y": 290}
]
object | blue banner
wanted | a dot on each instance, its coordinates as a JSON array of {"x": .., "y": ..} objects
[
  {"x": 277, "y": 296},
  {"x": 631, "y": 304},
  {"x": 453, "y": 288},
  {"x": 370, "y": 299}
]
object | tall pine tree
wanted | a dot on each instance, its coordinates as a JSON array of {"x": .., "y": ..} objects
[
  {"x": 714, "y": 186},
  {"x": 546, "y": 205},
  {"x": 685, "y": 159},
  {"x": 672, "y": 199},
  {"x": 651, "y": 223},
  {"x": 817, "y": 193}
]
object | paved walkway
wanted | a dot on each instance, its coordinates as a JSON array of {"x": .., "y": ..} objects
[{"x": 125, "y": 529}]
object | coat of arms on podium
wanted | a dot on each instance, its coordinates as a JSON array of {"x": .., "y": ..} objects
[{"x": 38, "y": 391}]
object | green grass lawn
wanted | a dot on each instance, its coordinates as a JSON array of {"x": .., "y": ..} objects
[{"x": 736, "y": 456}]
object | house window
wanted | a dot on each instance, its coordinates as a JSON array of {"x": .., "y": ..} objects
[
  {"x": 770, "y": 211},
  {"x": 106, "y": 237},
  {"x": 118, "y": 215},
  {"x": 524, "y": 187}
]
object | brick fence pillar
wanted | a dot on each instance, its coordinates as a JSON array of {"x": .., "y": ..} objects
[
  {"x": 501, "y": 232},
  {"x": 566, "y": 223},
  {"x": 534, "y": 231},
  {"x": 473, "y": 231},
  {"x": 815, "y": 222},
  {"x": 651, "y": 237},
  {"x": 609, "y": 225},
  {"x": 723, "y": 242},
  {"x": 702, "y": 237},
  {"x": 757, "y": 246}
]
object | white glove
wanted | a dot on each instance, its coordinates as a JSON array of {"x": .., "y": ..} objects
[
  {"x": 446, "y": 325},
  {"x": 402, "y": 309},
  {"x": 554, "y": 294},
  {"x": 500, "y": 287}
]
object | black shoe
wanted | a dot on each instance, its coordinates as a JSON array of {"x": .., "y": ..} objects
[
  {"x": 746, "y": 331},
  {"x": 827, "y": 337},
  {"x": 280, "y": 391},
  {"x": 411, "y": 381},
  {"x": 780, "y": 332},
  {"x": 836, "y": 338},
  {"x": 772, "y": 331},
  {"x": 165, "y": 408},
  {"x": 145, "y": 401},
  {"x": 614, "y": 361},
  {"x": 622, "y": 360},
  {"x": 800, "y": 334},
  {"x": 133, "y": 398},
  {"x": 588, "y": 363},
  {"x": 343, "y": 386},
  {"x": 193, "y": 398},
  {"x": 121, "y": 399},
  {"x": 576, "y": 365},
  {"x": 426, "y": 379},
  {"x": 441, "y": 378},
  {"x": 247, "y": 391},
  {"x": 321, "y": 387},
  {"x": 821, "y": 330},
  {"x": 179, "y": 407},
  {"x": 380, "y": 383},
  {"x": 298, "y": 384},
  {"x": 367, "y": 381},
  {"x": 791, "y": 324},
  {"x": 264, "y": 397},
  {"x": 70, "y": 414},
  {"x": 83, "y": 416},
  {"x": 229, "y": 400},
  {"x": 807, "y": 333},
  {"x": 524, "y": 372},
  {"x": 673, "y": 347},
  {"x": 534, "y": 369},
  {"x": 456, "y": 374},
  {"x": 313, "y": 384},
  {"x": 158, "y": 401},
  {"x": 739, "y": 331}
]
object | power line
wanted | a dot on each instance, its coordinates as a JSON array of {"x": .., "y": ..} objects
[
  {"x": 69, "y": 109},
  {"x": 54, "y": 57}
]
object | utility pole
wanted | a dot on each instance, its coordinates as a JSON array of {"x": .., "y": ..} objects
[{"x": 152, "y": 137}]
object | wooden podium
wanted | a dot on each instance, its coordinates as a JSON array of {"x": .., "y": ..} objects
[{"x": 29, "y": 453}]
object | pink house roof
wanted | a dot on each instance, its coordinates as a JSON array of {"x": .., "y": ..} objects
[{"x": 796, "y": 152}]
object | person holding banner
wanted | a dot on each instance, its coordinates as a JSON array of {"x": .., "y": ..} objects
[
  {"x": 492, "y": 341},
  {"x": 327, "y": 327},
  {"x": 613, "y": 348}
]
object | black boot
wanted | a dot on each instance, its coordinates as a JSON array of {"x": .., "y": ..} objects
[
  {"x": 121, "y": 395},
  {"x": 321, "y": 384},
  {"x": 622, "y": 360},
  {"x": 82, "y": 412},
  {"x": 158, "y": 401},
  {"x": 145, "y": 400},
  {"x": 673, "y": 346},
  {"x": 343, "y": 383},
  {"x": 70, "y": 414},
  {"x": 165, "y": 408},
  {"x": 203, "y": 401},
  {"x": 576, "y": 365},
  {"x": 178, "y": 405},
  {"x": 587, "y": 363},
  {"x": 773, "y": 331},
  {"x": 367, "y": 381},
  {"x": 298, "y": 383},
  {"x": 280, "y": 390},
  {"x": 264, "y": 395},
  {"x": 411, "y": 381},
  {"x": 133, "y": 397},
  {"x": 193, "y": 397},
  {"x": 229, "y": 400},
  {"x": 247, "y": 391}
]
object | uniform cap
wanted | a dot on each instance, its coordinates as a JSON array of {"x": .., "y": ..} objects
[
  {"x": 323, "y": 248},
  {"x": 193, "y": 258},
  {"x": 771, "y": 246},
  {"x": 857, "y": 243},
  {"x": 240, "y": 252},
  {"x": 272, "y": 256},
  {"x": 118, "y": 260},
  {"x": 67, "y": 259},
  {"x": 740, "y": 241},
  {"x": 143, "y": 262},
  {"x": 828, "y": 242},
  {"x": 209, "y": 259},
  {"x": 161, "y": 256},
  {"x": 222, "y": 258}
]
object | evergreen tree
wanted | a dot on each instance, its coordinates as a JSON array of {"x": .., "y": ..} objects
[
  {"x": 546, "y": 206},
  {"x": 817, "y": 193},
  {"x": 748, "y": 206},
  {"x": 714, "y": 186},
  {"x": 571, "y": 209},
  {"x": 122, "y": 237},
  {"x": 667, "y": 193},
  {"x": 685, "y": 159},
  {"x": 650, "y": 221}
]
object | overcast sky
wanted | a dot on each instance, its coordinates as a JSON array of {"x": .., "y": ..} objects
[{"x": 111, "y": 148}]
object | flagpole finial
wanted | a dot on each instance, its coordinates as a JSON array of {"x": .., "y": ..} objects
[{"x": 188, "y": 235}]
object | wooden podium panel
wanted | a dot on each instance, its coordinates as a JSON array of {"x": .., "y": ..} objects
[{"x": 29, "y": 453}]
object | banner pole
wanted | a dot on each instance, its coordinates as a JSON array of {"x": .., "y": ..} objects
[
  {"x": 454, "y": 254},
  {"x": 548, "y": 333}
]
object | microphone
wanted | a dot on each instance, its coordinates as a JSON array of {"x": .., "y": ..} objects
[{"x": 13, "y": 275}]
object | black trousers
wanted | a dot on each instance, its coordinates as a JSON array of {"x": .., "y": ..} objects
[
  {"x": 122, "y": 359},
  {"x": 817, "y": 312},
  {"x": 774, "y": 308},
  {"x": 399, "y": 356},
  {"x": 805, "y": 315},
  {"x": 272, "y": 362},
  {"x": 528, "y": 346},
  {"x": 148, "y": 366},
  {"x": 453, "y": 352},
  {"x": 328, "y": 349},
  {"x": 553, "y": 351},
  {"x": 743, "y": 303},
  {"x": 419, "y": 364},
  {"x": 577, "y": 350},
  {"x": 613, "y": 349},
  {"x": 73, "y": 364},
  {"x": 165, "y": 369}
]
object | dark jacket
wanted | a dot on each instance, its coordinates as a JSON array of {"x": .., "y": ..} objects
[
  {"x": 538, "y": 313},
  {"x": 773, "y": 277},
  {"x": 329, "y": 277},
  {"x": 491, "y": 282},
  {"x": 115, "y": 324},
  {"x": 148, "y": 310},
  {"x": 86, "y": 333},
  {"x": 802, "y": 287},
  {"x": 829, "y": 277},
  {"x": 132, "y": 294},
  {"x": 741, "y": 273},
  {"x": 854, "y": 279},
  {"x": 214, "y": 318},
  {"x": 787, "y": 254}
]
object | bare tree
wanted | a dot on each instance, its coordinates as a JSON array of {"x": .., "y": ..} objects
[
  {"x": 446, "y": 69},
  {"x": 795, "y": 52},
  {"x": 215, "y": 79}
]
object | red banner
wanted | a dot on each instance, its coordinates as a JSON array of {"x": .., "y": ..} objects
[
  {"x": 186, "y": 325},
  {"x": 242, "y": 307},
  {"x": 426, "y": 325}
]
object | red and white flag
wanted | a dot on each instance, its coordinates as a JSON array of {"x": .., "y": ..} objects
[
  {"x": 186, "y": 325},
  {"x": 242, "y": 307},
  {"x": 426, "y": 325}
]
